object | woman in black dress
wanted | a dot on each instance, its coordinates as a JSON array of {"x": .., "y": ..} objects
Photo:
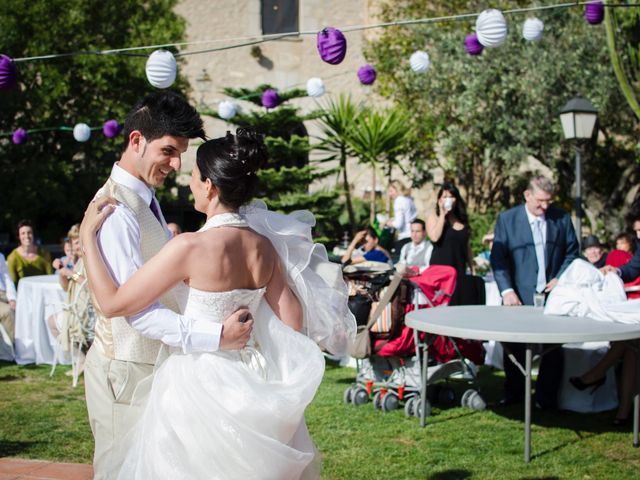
[{"x": 449, "y": 232}]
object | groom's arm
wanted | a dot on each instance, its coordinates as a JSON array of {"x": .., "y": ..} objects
[{"x": 119, "y": 243}]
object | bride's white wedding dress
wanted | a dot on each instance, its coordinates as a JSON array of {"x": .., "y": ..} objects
[{"x": 239, "y": 414}]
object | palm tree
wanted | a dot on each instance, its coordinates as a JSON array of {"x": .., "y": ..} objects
[
  {"x": 337, "y": 121},
  {"x": 378, "y": 137}
]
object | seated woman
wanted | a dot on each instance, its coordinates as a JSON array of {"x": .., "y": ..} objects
[
  {"x": 372, "y": 251},
  {"x": 74, "y": 324},
  {"x": 27, "y": 259}
]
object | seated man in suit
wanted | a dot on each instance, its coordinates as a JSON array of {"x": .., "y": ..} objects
[{"x": 534, "y": 243}]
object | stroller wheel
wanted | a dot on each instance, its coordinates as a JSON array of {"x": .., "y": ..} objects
[
  {"x": 408, "y": 406},
  {"x": 390, "y": 402},
  {"x": 347, "y": 395},
  {"x": 417, "y": 408},
  {"x": 377, "y": 400},
  {"x": 472, "y": 399},
  {"x": 359, "y": 396}
]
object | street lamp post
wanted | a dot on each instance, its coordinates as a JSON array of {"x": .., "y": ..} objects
[{"x": 578, "y": 118}]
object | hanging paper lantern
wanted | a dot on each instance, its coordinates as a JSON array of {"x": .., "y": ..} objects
[
  {"x": 81, "y": 132},
  {"x": 594, "y": 12},
  {"x": 111, "y": 128},
  {"x": 532, "y": 29},
  {"x": 227, "y": 109},
  {"x": 161, "y": 69},
  {"x": 270, "y": 98},
  {"x": 472, "y": 45},
  {"x": 491, "y": 28},
  {"x": 315, "y": 87},
  {"x": 367, "y": 74},
  {"x": 332, "y": 45},
  {"x": 19, "y": 136},
  {"x": 8, "y": 72},
  {"x": 420, "y": 62}
]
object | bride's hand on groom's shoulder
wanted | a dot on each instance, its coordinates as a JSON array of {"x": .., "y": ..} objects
[
  {"x": 236, "y": 330},
  {"x": 95, "y": 214}
]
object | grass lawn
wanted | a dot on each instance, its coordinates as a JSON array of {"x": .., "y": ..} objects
[{"x": 45, "y": 418}]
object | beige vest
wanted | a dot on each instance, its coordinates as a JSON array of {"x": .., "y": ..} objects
[{"x": 115, "y": 338}]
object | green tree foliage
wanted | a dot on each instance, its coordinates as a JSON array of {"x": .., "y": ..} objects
[
  {"x": 623, "y": 40},
  {"x": 487, "y": 115},
  {"x": 285, "y": 180},
  {"x": 51, "y": 177}
]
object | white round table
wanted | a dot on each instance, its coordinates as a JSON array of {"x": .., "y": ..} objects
[
  {"x": 38, "y": 298},
  {"x": 523, "y": 324}
]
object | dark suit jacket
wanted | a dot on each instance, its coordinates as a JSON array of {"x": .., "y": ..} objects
[
  {"x": 631, "y": 270},
  {"x": 513, "y": 256}
]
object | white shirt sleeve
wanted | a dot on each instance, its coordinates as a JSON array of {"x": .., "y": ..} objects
[
  {"x": 400, "y": 209},
  {"x": 119, "y": 242}
]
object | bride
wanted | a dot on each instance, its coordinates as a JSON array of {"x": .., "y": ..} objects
[{"x": 231, "y": 414}]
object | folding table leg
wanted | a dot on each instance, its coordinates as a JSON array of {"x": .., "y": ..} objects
[
  {"x": 527, "y": 404},
  {"x": 423, "y": 387}
]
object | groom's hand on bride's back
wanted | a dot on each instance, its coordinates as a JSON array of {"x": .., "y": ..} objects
[{"x": 236, "y": 330}]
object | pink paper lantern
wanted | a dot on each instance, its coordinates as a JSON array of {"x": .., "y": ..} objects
[
  {"x": 332, "y": 45},
  {"x": 472, "y": 45},
  {"x": 594, "y": 12},
  {"x": 19, "y": 136},
  {"x": 367, "y": 74},
  {"x": 111, "y": 128},
  {"x": 8, "y": 72},
  {"x": 270, "y": 98}
]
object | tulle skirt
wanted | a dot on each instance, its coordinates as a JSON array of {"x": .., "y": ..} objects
[{"x": 228, "y": 415}]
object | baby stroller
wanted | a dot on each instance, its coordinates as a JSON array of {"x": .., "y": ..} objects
[{"x": 391, "y": 373}]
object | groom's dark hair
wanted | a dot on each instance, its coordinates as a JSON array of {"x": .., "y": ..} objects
[
  {"x": 163, "y": 113},
  {"x": 231, "y": 163}
]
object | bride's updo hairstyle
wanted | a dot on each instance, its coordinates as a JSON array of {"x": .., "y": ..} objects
[{"x": 231, "y": 163}]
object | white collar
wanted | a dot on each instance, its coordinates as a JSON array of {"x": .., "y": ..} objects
[
  {"x": 121, "y": 176},
  {"x": 532, "y": 218},
  {"x": 419, "y": 245}
]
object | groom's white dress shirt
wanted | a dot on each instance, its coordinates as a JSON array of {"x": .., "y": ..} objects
[{"x": 120, "y": 247}]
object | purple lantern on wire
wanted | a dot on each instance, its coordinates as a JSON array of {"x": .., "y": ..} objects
[
  {"x": 111, "y": 128},
  {"x": 332, "y": 45},
  {"x": 270, "y": 98},
  {"x": 19, "y": 136},
  {"x": 367, "y": 74},
  {"x": 8, "y": 72},
  {"x": 594, "y": 12},
  {"x": 472, "y": 45}
]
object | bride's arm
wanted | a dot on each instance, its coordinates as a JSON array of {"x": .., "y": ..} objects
[
  {"x": 154, "y": 278},
  {"x": 282, "y": 300}
]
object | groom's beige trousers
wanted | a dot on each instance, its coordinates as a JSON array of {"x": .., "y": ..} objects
[{"x": 110, "y": 385}]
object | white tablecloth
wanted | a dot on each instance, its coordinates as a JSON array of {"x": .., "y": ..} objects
[{"x": 38, "y": 298}]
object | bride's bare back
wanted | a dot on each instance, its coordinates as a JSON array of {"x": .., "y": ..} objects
[{"x": 228, "y": 258}]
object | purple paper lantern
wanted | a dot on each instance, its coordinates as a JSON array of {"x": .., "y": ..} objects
[
  {"x": 472, "y": 45},
  {"x": 111, "y": 128},
  {"x": 367, "y": 74},
  {"x": 270, "y": 98},
  {"x": 594, "y": 12},
  {"x": 332, "y": 45},
  {"x": 8, "y": 72},
  {"x": 19, "y": 136}
]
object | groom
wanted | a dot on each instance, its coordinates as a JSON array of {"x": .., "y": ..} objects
[{"x": 157, "y": 132}]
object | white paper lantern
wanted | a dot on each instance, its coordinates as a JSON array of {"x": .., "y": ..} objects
[
  {"x": 161, "y": 69},
  {"x": 532, "y": 29},
  {"x": 81, "y": 132},
  {"x": 227, "y": 109},
  {"x": 315, "y": 87},
  {"x": 491, "y": 28},
  {"x": 420, "y": 62}
]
